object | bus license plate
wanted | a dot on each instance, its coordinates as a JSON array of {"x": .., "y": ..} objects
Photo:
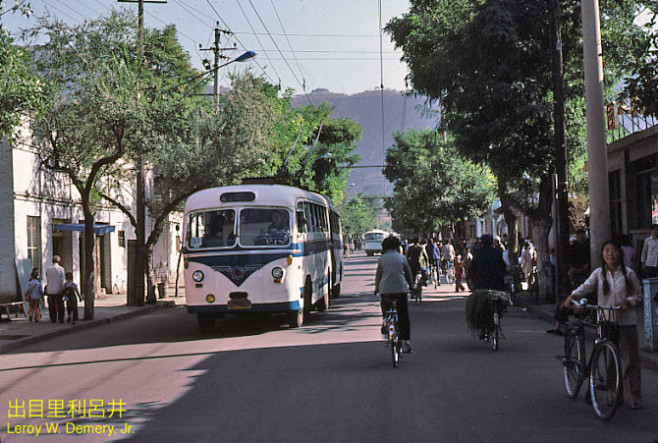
[{"x": 239, "y": 303}]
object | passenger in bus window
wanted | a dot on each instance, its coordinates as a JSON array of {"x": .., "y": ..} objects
[{"x": 219, "y": 231}]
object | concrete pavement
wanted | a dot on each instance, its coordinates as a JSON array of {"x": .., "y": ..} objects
[{"x": 20, "y": 332}]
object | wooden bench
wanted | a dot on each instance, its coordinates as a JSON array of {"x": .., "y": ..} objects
[{"x": 16, "y": 306}]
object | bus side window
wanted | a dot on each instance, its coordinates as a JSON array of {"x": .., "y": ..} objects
[{"x": 302, "y": 222}]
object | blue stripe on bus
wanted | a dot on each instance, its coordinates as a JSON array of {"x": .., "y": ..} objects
[{"x": 264, "y": 307}]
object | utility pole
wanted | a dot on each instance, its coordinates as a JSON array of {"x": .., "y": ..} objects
[
  {"x": 561, "y": 189},
  {"x": 135, "y": 295},
  {"x": 216, "y": 49},
  {"x": 597, "y": 161}
]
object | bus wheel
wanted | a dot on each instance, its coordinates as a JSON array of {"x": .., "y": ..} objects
[
  {"x": 206, "y": 323},
  {"x": 323, "y": 304},
  {"x": 295, "y": 318},
  {"x": 308, "y": 299}
]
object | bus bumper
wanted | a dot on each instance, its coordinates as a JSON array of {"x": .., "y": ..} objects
[{"x": 264, "y": 307}]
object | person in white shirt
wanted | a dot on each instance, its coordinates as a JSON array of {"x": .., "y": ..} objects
[
  {"x": 618, "y": 285},
  {"x": 55, "y": 279},
  {"x": 649, "y": 257}
]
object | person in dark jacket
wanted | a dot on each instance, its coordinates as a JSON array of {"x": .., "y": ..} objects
[{"x": 487, "y": 269}]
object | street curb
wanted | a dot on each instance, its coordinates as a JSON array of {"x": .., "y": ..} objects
[
  {"x": 4, "y": 349},
  {"x": 647, "y": 359}
]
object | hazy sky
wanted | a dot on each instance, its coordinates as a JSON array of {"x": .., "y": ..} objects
[{"x": 331, "y": 44}]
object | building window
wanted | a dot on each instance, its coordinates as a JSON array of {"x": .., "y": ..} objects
[
  {"x": 34, "y": 241},
  {"x": 122, "y": 238}
]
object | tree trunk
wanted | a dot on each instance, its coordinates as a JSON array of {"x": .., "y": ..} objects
[
  {"x": 88, "y": 280},
  {"x": 541, "y": 227},
  {"x": 151, "y": 277}
]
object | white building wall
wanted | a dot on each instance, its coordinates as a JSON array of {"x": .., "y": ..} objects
[{"x": 26, "y": 190}]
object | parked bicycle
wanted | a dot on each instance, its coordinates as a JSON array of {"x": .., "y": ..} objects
[
  {"x": 603, "y": 370},
  {"x": 391, "y": 329}
]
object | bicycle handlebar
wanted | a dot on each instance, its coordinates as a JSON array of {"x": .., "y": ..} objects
[{"x": 582, "y": 303}]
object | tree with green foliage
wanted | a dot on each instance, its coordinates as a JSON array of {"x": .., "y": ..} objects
[
  {"x": 487, "y": 62},
  {"x": 434, "y": 187},
  {"x": 309, "y": 147},
  {"x": 21, "y": 91},
  {"x": 213, "y": 148},
  {"x": 359, "y": 215},
  {"x": 105, "y": 109}
]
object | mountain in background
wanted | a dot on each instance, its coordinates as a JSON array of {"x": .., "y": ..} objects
[{"x": 401, "y": 112}]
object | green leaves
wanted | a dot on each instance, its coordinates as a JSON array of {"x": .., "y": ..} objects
[{"x": 433, "y": 185}]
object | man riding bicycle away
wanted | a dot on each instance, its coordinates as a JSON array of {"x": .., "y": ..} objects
[
  {"x": 418, "y": 259},
  {"x": 434, "y": 255},
  {"x": 487, "y": 269},
  {"x": 392, "y": 281}
]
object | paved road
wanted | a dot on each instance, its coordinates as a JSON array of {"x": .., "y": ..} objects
[{"x": 332, "y": 380}]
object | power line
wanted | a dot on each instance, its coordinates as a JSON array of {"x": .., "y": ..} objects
[
  {"x": 289, "y": 44},
  {"x": 62, "y": 12},
  {"x": 241, "y": 44},
  {"x": 277, "y": 47},
  {"x": 314, "y": 35},
  {"x": 76, "y": 12},
  {"x": 258, "y": 40}
]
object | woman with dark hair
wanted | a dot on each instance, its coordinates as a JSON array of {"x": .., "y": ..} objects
[
  {"x": 392, "y": 281},
  {"x": 618, "y": 285}
]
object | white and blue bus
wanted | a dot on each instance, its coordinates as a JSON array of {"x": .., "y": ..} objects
[
  {"x": 260, "y": 248},
  {"x": 372, "y": 241}
]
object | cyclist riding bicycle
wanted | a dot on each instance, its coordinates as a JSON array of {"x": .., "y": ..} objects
[
  {"x": 392, "y": 281},
  {"x": 487, "y": 269},
  {"x": 418, "y": 259},
  {"x": 618, "y": 285}
]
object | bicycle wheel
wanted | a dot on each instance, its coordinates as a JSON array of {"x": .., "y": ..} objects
[
  {"x": 395, "y": 348},
  {"x": 496, "y": 327},
  {"x": 605, "y": 379},
  {"x": 572, "y": 363}
]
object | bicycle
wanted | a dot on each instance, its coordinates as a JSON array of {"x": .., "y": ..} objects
[
  {"x": 435, "y": 275},
  {"x": 417, "y": 290},
  {"x": 391, "y": 329},
  {"x": 450, "y": 272},
  {"x": 603, "y": 369},
  {"x": 494, "y": 330}
]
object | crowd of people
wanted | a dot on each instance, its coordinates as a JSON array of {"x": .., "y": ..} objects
[
  {"x": 615, "y": 283},
  {"x": 60, "y": 291}
]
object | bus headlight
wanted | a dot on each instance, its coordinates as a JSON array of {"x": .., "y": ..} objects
[
  {"x": 210, "y": 298},
  {"x": 277, "y": 272},
  {"x": 197, "y": 276}
]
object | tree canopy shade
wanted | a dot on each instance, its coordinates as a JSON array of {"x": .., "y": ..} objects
[
  {"x": 359, "y": 215},
  {"x": 104, "y": 109},
  {"x": 434, "y": 186},
  {"x": 21, "y": 91},
  {"x": 487, "y": 62}
]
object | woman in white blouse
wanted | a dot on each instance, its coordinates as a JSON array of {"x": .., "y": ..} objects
[{"x": 618, "y": 285}]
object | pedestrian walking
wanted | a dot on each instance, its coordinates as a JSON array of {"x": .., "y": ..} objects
[
  {"x": 33, "y": 294},
  {"x": 618, "y": 285},
  {"x": 55, "y": 278},
  {"x": 71, "y": 295},
  {"x": 649, "y": 256}
]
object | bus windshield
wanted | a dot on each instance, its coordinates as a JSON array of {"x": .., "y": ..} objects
[
  {"x": 210, "y": 229},
  {"x": 374, "y": 236},
  {"x": 264, "y": 227}
]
